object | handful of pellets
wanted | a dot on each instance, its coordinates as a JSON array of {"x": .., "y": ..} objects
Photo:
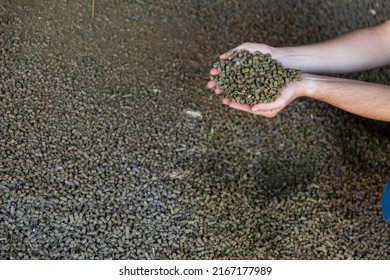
[{"x": 248, "y": 78}]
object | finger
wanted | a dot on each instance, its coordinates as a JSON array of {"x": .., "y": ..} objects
[
  {"x": 214, "y": 71},
  {"x": 277, "y": 104},
  {"x": 218, "y": 91},
  {"x": 267, "y": 114},
  {"x": 226, "y": 101},
  {"x": 240, "y": 47},
  {"x": 250, "y": 47},
  {"x": 245, "y": 47},
  {"x": 247, "y": 108},
  {"x": 242, "y": 107},
  {"x": 238, "y": 106},
  {"x": 211, "y": 84},
  {"x": 224, "y": 56}
]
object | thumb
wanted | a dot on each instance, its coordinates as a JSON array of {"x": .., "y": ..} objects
[
  {"x": 279, "y": 103},
  {"x": 268, "y": 114}
]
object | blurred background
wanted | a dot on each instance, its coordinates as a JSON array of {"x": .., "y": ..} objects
[{"x": 111, "y": 147}]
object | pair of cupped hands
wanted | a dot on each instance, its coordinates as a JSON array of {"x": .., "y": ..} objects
[{"x": 289, "y": 93}]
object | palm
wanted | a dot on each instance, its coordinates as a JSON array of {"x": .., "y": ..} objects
[{"x": 269, "y": 109}]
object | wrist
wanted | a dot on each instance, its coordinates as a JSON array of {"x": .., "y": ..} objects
[
  {"x": 291, "y": 57},
  {"x": 307, "y": 86},
  {"x": 278, "y": 53}
]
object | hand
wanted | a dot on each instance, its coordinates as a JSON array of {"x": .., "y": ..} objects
[
  {"x": 270, "y": 109},
  {"x": 289, "y": 93}
]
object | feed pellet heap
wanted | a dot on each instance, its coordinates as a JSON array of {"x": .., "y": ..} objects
[{"x": 248, "y": 78}]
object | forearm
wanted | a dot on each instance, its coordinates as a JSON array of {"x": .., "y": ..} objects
[
  {"x": 361, "y": 98},
  {"x": 358, "y": 50}
]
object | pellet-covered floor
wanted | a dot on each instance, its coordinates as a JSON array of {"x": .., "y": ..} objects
[{"x": 111, "y": 147}]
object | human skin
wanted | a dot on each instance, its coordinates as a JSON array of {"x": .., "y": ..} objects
[{"x": 358, "y": 50}]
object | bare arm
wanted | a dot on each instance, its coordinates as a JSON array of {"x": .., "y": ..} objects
[
  {"x": 358, "y": 50},
  {"x": 355, "y": 51},
  {"x": 365, "y": 99}
]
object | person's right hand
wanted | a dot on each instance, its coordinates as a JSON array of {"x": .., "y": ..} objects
[{"x": 289, "y": 93}]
